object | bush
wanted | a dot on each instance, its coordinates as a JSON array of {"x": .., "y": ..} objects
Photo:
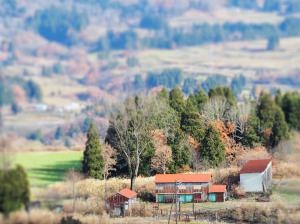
[
  {"x": 69, "y": 220},
  {"x": 146, "y": 196},
  {"x": 14, "y": 190}
]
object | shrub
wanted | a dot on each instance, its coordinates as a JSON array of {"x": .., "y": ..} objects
[
  {"x": 14, "y": 189},
  {"x": 69, "y": 220}
]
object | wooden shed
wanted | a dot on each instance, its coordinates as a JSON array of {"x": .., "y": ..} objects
[
  {"x": 217, "y": 193},
  {"x": 256, "y": 175},
  {"x": 120, "y": 202}
]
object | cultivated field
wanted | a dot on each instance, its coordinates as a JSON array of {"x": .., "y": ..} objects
[{"x": 233, "y": 58}]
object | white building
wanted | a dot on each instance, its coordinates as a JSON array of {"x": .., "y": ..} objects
[{"x": 256, "y": 176}]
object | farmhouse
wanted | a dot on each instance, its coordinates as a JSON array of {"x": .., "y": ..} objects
[
  {"x": 120, "y": 202},
  {"x": 256, "y": 175},
  {"x": 217, "y": 193},
  {"x": 188, "y": 187}
]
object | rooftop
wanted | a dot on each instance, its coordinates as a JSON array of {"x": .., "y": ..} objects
[
  {"x": 127, "y": 193},
  {"x": 184, "y": 178},
  {"x": 217, "y": 189},
  {"x": 255, "y": 166}
]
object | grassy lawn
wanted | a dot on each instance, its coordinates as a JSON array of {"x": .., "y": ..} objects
[
  {"x": 288, "y": 192},
  {"x": 45, "y": 168}
]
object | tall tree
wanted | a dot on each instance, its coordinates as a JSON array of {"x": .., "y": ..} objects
[
  {"x": 163, "y": 154},
  {"x": 176, "y": 100},
  {"x": 191, "y": 122},
  {"x": 198, "y": 99},
  {"x": 272, "y": 121},
  {"x": 132, "y": 126},
  {"x": 181, "y": 151},
  {"x": 212, "y": 147},
  {"x": 93, "y": 163},
  {"x": 290, "y": 104},
  {"x": 251, "y": 135},
  {"x": 109, "y": 156},
  {"x": 223, "y": 92},
  {"x": 279, "y": 129}
]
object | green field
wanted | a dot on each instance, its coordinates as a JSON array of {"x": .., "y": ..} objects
[{"x": 44, "y": 168}]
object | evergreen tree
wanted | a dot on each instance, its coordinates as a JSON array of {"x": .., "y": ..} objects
[
  {"x": 59, "y": 133},
  {"x": 290, "y": 105},
  {"x": 181, "y": 153},
  {"x": 198, "y": 99},
  {"x": 273, "y": 42},
  {"x": 212, "y": 148},
  {"x": 14, "y": 190},
  {"x": 251, "y": 135},
  {"x": 191, "y": 122},
  {"x": 189, "y": 85},
  {"x": 265, "y": 111},
  {"x": 176, "y": 100},
  {"x": 279, "y": 129},
  {"x": 225, "y": 92},
  {"x": 92, "y": 164},
  {"x": 272, "y": 121}
]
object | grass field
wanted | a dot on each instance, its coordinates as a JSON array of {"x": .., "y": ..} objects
[{"x": 45, "y": 168}]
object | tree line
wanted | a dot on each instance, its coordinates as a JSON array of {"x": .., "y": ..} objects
[
  {"x": 170, "y": 78},
  {"x": 11, "y": 88},
  {"x": 170, "y": 133},
  {"x": 167, "y": 38}
]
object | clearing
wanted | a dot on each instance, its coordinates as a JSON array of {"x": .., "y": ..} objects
[{"x": 44, "y": 168}]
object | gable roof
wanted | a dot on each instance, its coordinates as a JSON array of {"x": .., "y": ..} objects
[
  {"x": 255, "y": 166},
  {"x": 217, "y": 189},
  {"x": 127, "y": 193},
  {"x": 184, "y": 178}
]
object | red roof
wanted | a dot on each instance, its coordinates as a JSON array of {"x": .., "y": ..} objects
[
  {"x": 127, "y": 193},
  {"x": 185, "y": 178},
  {"x": 255, "y": 166},
  {"x": 217, "y": 189}
]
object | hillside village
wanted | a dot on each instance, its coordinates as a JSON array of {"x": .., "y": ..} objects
[{"x": 149, "y": 111}]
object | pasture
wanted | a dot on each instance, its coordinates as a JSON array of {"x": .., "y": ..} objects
[{"x": 44, "y": 168}]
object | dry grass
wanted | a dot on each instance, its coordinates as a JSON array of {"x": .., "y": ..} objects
[
  {"x": 286, "y": 170},
  {"x": 34, "y": 217},
  {"x": 91, "y": 188},
  {"x": 229, "y": 59},
  {"x": 222, "y": 15},
  {"x": 142, "y": 210}
]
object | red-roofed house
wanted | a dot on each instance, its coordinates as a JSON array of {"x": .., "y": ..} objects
[
  {"x": 189, "y": 187},
  {"x": 120, "y": 202},
  {"x": 256, "y": 175},
  {"x": 217, "y": 193}
]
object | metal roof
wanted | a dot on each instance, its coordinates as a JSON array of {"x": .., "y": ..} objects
[
  {"x": 255, "y": 166},
  {"x": 184, "y": 178}
]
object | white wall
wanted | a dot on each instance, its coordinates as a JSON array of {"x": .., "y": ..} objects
[{"x": 251, "y": 182}]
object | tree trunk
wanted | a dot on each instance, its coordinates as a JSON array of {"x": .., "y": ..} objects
[{"x": 132, "y": 180}]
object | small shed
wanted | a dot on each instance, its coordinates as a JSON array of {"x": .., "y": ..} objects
[
  {"x": 121, "y": 202},
  {"x": 217, "y": 193},
  {"x": 256, "y": 175}
]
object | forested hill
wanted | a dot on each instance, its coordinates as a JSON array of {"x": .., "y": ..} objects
[{"x": 63, "y": 61}]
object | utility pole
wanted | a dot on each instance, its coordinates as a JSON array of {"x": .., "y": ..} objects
[
  {"x": 176, "y": 201},
  {"x": 177, "y": 183}
]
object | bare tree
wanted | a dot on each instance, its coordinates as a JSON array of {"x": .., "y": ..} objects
[
  {"x": 216, "y": 108},
  {"x": 73, "y": 177},
  {"x": 239, "y": 116},
  {"x": 109, "y": 157},
  {"x": 163, "y": 154},
  {"x": 134, "y": 122}
]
